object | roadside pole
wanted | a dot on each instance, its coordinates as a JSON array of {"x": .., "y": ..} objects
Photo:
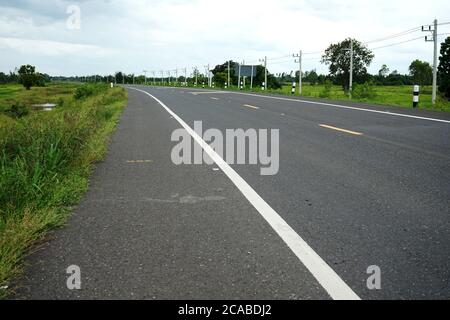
[
  {"x": 265, "y": 73},
  {"x": 239, "y": 76},
  {"x": 351, "y": 70},
  {"x": 228, "y": 80},
  {"x": 299, "y": 61},
  {"x": 415, "y": 96},
  {"x": 433, "y": 96},
  {"x": 251, "y": 80}
]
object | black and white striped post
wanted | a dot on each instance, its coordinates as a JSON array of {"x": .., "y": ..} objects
[
  {"x": 226, "y": 85},
  {"x": 213, "y": 85},
  {"x": 242, "y": 87},
  {"x": 293, "y": 87},
  {"x": 203, "y": 84},
  {"x": 416, "y": 90},
  {"x": 263, "y": 86}
]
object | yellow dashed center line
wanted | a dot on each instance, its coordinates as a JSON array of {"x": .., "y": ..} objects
[
  {"x": 341, "y": 130},
  {"x": 139, "y": 161},
  {"x": 250, "y": 106}
]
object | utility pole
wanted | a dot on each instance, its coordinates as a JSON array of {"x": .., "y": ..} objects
[
  {"x": 209, "y": 77},
  {"x": 251, "y": 80},
  {"x": 299, "y": 61},
  {"x": 145, "y": 75},
  {"x": 196, "y": 74},
  {"x": 185, "y": 76},
  {"x": 154, "y": 82},
  {"x": 228, "y": 80},
  {"x": 162, "y": 77},
  {"x": 435, "y": 55},
  {"x": 350, "y": 86},
  {"x": 265, "y": 72},
  {"x": 239, "y": 77}
]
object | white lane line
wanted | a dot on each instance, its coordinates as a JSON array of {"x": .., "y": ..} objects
[
  {"x": 324, "y": 274},
  {"x": 250, "y": 106},
  {"x": 341, "y": 130},
  {"x": 214, "y": 98},
  {"x": 343, "y": 107},
  {"x": 205, "y": 92}
]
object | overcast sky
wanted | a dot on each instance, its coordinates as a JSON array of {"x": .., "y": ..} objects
[{"x": 134, "y": 35}]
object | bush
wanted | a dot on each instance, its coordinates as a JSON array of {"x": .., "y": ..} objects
[
  {"x": 326, "y": 92},
  {"x": 364, "y": 91},
  {"x": 17, "y": 111},
  {"x": 88, "y": 90}
]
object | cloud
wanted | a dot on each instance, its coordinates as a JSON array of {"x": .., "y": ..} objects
[
  {"x": 52, "y": 48},
  {"x": 166, "y": 34}
]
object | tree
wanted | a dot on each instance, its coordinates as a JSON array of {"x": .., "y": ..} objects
[
  {"x": 444, "y": 68},
  {"x": 220, "y": 78},
  {"x": 310, "y": 76},
  {"x": 421, "y": 72},
  {"x": 337, "y": 56},
  {"x": 258, "y": 79},
  {"x": 27, "y": 76},
  {"x": 384, "y": 71}
]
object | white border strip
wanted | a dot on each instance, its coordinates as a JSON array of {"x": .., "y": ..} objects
[{"x": 324, "y": 274}]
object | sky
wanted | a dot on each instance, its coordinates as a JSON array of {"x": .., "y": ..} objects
[{"x": 89, "y": 37}]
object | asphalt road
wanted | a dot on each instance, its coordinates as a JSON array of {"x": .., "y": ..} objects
[{"x": 360, "y": 187}]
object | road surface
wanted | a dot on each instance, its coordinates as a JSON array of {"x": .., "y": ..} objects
[{"x": 360, "y": 185}]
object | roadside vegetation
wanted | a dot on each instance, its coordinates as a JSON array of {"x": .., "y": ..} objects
[{"x": 46, "y": 158}]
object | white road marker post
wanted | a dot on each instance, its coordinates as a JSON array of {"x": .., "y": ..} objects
[
  {"x": 416, "y": 90},
  {"x": 293, "y": 88}
]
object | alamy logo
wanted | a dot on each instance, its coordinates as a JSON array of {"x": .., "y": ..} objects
[
  {"x": 74, "y": 280},
  {"x": 374, "y": 280},
  {"x": 74, "y": 20},
  {"x": 237, "y": 146}
]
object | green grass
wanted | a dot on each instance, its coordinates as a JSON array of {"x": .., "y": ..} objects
[
  {"x": 52, "y": 93},
  {"x": 45, "y": 162}
]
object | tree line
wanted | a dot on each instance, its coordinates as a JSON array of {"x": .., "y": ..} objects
[{"x": 336, "y": 57}]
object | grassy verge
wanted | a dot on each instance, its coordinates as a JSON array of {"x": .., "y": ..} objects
[{"x": 45, "y": 162}]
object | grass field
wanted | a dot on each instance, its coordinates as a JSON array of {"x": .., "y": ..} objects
[
  {"x": 45, "y": 161},
  {"x": 52, "y": 93}
]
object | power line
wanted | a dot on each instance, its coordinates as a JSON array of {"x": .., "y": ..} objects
[
  {"x": 396, "y": 35},
  {"x": 397, "y": 43}
]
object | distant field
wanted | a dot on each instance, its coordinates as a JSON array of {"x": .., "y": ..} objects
[{"x": 52, "y": 93}]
